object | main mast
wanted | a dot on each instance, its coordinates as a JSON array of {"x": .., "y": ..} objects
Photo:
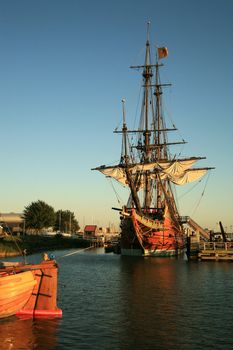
[
  {"x": 147, "y": 75},
  {"x": 159, "y": 148},
  {"x": 150, "y": 151}
]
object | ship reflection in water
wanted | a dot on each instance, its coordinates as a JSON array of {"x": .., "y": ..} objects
[
  {"x": 153, "y": 305},
  {"x": 172, "y": 303},
  {"x": 16, "y": 334}
]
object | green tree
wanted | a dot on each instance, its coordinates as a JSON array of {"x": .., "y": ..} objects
[
  {"x": 39, "y": 215},
  {"x": 66, "y": 222}
]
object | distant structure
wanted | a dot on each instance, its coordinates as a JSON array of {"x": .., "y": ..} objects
[
  {"x": 99, "y": 235},
  {"x": 12, "y": 222},
  {"x": 90, "y": 232}
]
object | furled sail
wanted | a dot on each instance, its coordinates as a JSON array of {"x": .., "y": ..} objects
[
  {"x": 117, "y": 173},
  {"x": 186, "y": 177},
  {"x": 175, "y": 171},
  {"x": 177, "y": 168}
]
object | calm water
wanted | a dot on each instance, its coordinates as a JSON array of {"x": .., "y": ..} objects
[{"x": 114, "y": 302}]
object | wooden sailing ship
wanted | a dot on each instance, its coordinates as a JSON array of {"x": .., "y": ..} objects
[
  {"x": 150, "y": 223},
  {"x": 29, "y": 290}
]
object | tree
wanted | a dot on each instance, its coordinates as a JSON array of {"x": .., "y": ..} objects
[
  {"x": 66, "y": 222},
  {"x": 39, "y": 215}
]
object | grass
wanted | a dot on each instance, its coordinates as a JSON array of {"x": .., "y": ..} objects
[{"x": 10, "y": 246}]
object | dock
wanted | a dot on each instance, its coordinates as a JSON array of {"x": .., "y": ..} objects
[
  {"x": 203, "y": 245},
  {"x": 218, "y": 251},
  {"x": 212, "y": 251}
]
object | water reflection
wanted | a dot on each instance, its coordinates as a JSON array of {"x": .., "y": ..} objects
[
  {"x": 152, "y": 304},
  {"x": 119, "y": 303},
  {"x": 170, "y": 303},
  {"x": 18, "y": 334}
]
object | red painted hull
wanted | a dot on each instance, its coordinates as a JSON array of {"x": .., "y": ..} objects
[{"x": 141, "y": 235}]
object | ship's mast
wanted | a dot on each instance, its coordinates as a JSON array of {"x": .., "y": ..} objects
[
  {"x": 151, "y": 169},
  {"x": 127, "y": 163},
  {"x": 124, "y": 133},
  {"x": 147, "y": 75},
  {"x": 147, "y": 104},
  {"x": 158, "y": 93},
  {"x": 153, "y": 148}
]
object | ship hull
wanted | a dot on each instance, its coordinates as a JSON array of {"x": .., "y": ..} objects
[
  {"x": 152, "y": 253},
  {"x": 143, "y": 236}
]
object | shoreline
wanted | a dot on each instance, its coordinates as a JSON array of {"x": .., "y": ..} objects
[{"x": 15, "y": 246}]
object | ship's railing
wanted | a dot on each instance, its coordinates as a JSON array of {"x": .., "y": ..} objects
[{"x": 216, "y": 246}]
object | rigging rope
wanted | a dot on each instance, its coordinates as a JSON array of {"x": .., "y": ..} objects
[
  {"x": 119, "y": 200},
  {"x": 137, "y": 108},
  {"x": 14, "y": 240},
  {"x": 72, "y": 253},
  {"x": 195, "y": 185},
  {"x": 169, "y": 114},
  {"x": 202, "y": 194}
]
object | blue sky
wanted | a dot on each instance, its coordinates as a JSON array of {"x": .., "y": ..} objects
[{"x": 64, "y": 68}]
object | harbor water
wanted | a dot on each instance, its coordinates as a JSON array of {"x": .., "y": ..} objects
[{"x": 115, "y": 302}]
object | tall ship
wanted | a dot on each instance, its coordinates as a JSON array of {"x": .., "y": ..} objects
[{"x": 150, "y": 221}]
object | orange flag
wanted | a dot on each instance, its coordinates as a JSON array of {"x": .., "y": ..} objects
[{"x": 162, "y": 52}]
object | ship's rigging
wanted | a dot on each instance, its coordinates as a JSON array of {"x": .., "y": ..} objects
[{"x": 147, "y": 166}]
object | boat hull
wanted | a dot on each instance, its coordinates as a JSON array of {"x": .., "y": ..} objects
[
  {"x": 142, "y": 236},
  {"x": 29, "y": 290},
  {"x": 156, "y": 253},
  {"x": 15, "y": 291}
]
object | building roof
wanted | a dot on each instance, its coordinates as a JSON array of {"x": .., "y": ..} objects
[
  {"x": 11, "y": 218},
  {"x": 90, "y": 228}
]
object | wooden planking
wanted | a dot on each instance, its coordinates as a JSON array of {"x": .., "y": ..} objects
[{"x": 216, "y": 255}]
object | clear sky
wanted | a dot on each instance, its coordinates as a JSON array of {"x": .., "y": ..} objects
[{"x": 64, "y": 68}]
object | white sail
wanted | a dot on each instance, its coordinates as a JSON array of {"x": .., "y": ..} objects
[
  {"x": 185, "y": 178},
  {"x": 117, "y": 173},
  {"x": 177, "y": 168},
  {"x": 145, "y": 167},
  {"x": 175, "y": 171}
]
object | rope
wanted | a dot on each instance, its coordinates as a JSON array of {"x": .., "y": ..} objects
[
  {"x": 202, "y": 194},
  {"x": 116, "y": 194},
  {"x": 68, "y": 254},
  {"x": 14, "y": 240},
  {"x": 195, "y": 185}
]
